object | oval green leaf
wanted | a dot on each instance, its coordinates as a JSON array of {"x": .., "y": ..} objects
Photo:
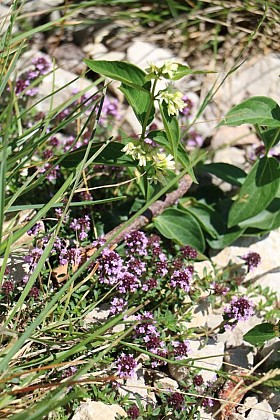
[{"x": 181, "y": 227}]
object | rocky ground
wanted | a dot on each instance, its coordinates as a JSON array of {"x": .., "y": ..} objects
[{"x": 259, "y": 75}]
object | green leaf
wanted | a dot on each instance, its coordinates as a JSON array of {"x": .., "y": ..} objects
[
  {"x": 226, "y": 239},
  {"x": 228, "y": 173},
  {"x": 127, "y": 73},
  {"x": 202, "y": 213},
  {"x": 270, "y": 137},
  {"x": 257, "y": 191},
  {"x": 261, "y": 333},
  {"x": 183, "y": 71},
  {"x": 139, "y": 100},
  {"x": 172, "y": 129},
  {"x": 267, "y": 219},
  {"x": 160, "y": 138},
  {"x": 181, "y": 227},
  {"x": 256, "y": 110},
  {"x": 111, "y": 155}
]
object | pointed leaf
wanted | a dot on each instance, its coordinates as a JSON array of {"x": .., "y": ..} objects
[
  {"x": 181, "y": 227},
  {"x": 126, "y": 73},
  {"x": 229, "y": 173},
  {"x": 111, "y": 155},
  {"x": 256, "y": 110},
  {"x": 139, "y": 100},
  {"x": 267, "y": 219},
  {"x": 270, "y": 137},
  {"x": 257, "y": 191},
  {"x": 261, "y": 333}
]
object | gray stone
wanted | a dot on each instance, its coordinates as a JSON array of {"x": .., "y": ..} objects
[
  {"x": 210, "y": 356},
  {"x": 95, "y": 410},
  {"x": 261, "y": 411},
  {"x": 161, "y": 380},
  {"x": 234, "y": 338},
  {"x": 233, "y": 136},
  {"x": 136, "y": 386},
  {"x": 231, "y": 155},
  {"x": 267, "y": 274},
  {"x": 270, "y": 351},
  {"x": 34, "y": 5},
  {"x": 5, "y": 17},
  {"x": 241, "y": 356},
  {"x": 248, "y": 403},
  {"x": 100, "y": 315}
]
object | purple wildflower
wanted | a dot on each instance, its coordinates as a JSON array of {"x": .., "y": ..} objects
[
  {"x": 149, "y": 284},
  {"x": 34, "y": 230},
  {"x": 180, "y": 349},
  {"x": 126, "y": 365},
  {"x": 207, "y": 402},
  {"x": 198, "y": 380},
  {"x": 161, "y": 268},
  {"x": 252, "y": 260},
  {"x": 81, "y": 226},
  {"x": 42, "y": 65},
  {"x": 188, "y": 252},
  {"x": 110, "y": 267},
  {"x": 240, "y": 309},
  {"x": 186, "y": 111},
  {"x": 136, "y": 266},
  {"x": 74, "y": 256},
  {"x": 176, "y": 400},
  {"x": 133, "y": 412},
  {"x": 8, "y": 287},
  {"x": 21, "y": 85},
  {"x": 219, "y": 289},
  {"x": 181, "y": 279},
  {"x": 137, "y": 242},
  {"x": 34, "y": 292},
  {"x": 117, "y": 306},
  {"x": 70, "y": 371},
  {"x": 128, "y": 283}
]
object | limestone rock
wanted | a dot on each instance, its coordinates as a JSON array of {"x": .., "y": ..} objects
[
  {"x": 95, "y": 410},
  {"x": 267, "y": 274},
  {"x": 231, "y": 155},
  {"x": 261, "y": 411},
  {"x": 211, "y": 358},
  {"x": 161, "y": 380}
]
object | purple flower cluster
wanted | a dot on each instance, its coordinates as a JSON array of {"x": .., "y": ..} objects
[
  {"x": 7, "y": 287},
  {"x": 128, "y": 283},
  {"x": 181, "y": 279},
  {"x": 176, "y": 400},
  {"x": 32, "y": 260},
  {"x": 40, "y": 67},
  {"x": 117, "y": 306},
  {"x": 219, "y": 289},
  {"x": 186, "y": 111},
  {"x": 252, "y": 260},
  {"x": 110, "y": 109},
  {"x": 81, "y": 226},
  {"x": 126, "y": 365},
  {"x": 133, "y": 412},
  {"x": 189, "y": 252},
  {"x": 137, "y": 243},
  {"x": 110, "y": 267},
  {"x": 180, "y": 349},
  {"x": 240, "y": 309},
  {"x": 147, "y": 331}
]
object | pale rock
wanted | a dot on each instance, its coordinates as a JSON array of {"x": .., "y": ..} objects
[
  {"x": 34, "y": 5},
  {"x": 267, "y": 274},
  {"x": 210, "y": 356},
  {"x": 203, "y": 268},
  {"x": 95, "y": 51},
  {"x": 241, "y": 356},
  {"x": 96, "y": 410},
  {"x": 249, "y": 402},
  {"x": 100, "y": 316},
  {"x": 261, "y": 411},
  {"x": 233, "y": 136},
  {"x": 142, "y": 53},
  {"x": 112, "y": 56},
  {"x": 58, "y": 78},
  {"x": 5, "y": 17},
  {"x": 203, "y": 316},
  {"x": 234, "y": 338},
  {"x": 136, "y": 386},
  {"x": 162, "y": 381},
  {"x": 258, "y": 76},
  {"x": 231, "y": 155},
  {"x": 270, "y": 351}
]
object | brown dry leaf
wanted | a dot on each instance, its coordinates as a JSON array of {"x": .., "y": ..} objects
[{"x": 60, "y": 273}]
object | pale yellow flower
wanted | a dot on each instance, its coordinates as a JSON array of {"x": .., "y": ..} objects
[
  {"x": 174, "y": 101},
  {"x": 170, "y": 68},
  {"x": 164, "y": 161}
]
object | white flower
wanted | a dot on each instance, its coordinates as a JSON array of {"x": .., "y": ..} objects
[
  {"x": 170, "y": 68},
  {"x": 174, "y": 101},
  {"x": 164, "y": 161}
]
